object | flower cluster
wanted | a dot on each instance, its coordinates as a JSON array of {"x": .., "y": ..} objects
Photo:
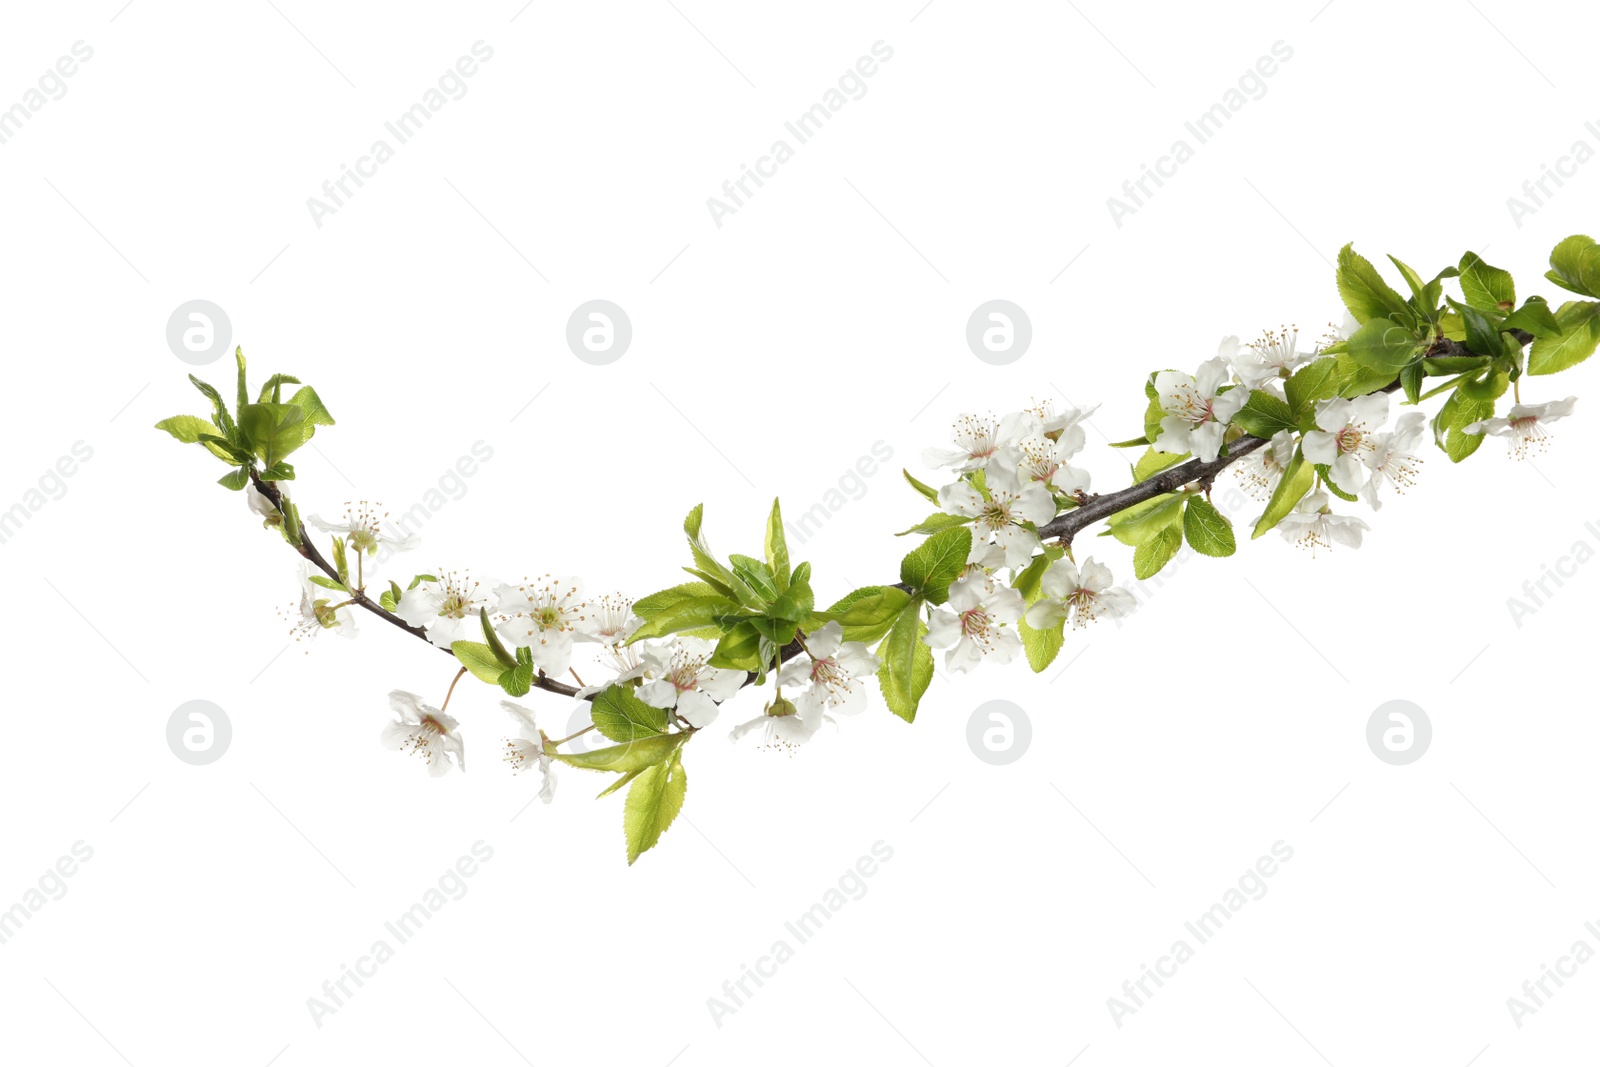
[{"x": 1306, "y": 429}]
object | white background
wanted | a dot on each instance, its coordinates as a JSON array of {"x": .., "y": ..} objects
[{"x": 769, "y": 355}]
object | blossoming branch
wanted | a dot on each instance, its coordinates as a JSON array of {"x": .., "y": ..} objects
[{"x": 997, "y": 575}]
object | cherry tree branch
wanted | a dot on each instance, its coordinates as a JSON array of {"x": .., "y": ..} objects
[
  {"x": 1103, "y": 506},
  {"x": 1064, "y": 526},
  {"x": 359, "y": 597}
]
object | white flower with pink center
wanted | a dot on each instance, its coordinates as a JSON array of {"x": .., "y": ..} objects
[{"x": 975, "y": 624}]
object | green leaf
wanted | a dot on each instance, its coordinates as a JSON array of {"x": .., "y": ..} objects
[
  {"x": 1028, "y": 579},
  {"x": 1295, "y": 484},
  {"x": 1535, "y": 317},
  {"x": 389, "y": 599},
  {"x": 691, "y": 613},
  {"x": 620, "y": 715},
  {"x": 617, "y": 783},
  {"x": 340, "y": 564},
  {"x": 1332, "y": 486},
  {"x": 326, "y": 583},
  {"x": 1365, "y": 292},
  {"x": 189, "y": 428},
  {"x": 907, "y": 663},
  {"x": 704, "y": 561},
  {"x": 492, "y": 639},
  {"x": 1208, "y": 531},
  {"x": 312, "y": 407},
  {"x": 777, "y": 548},
  {"x": 480, "y": 660},
  {"x": 866, "y": 614},
  {"x": 795, "y": 604},
  {"x": 1575, "y": 265},
  {"x": 1041, "y": 646},
  {"x": 273, "y": 431},
  {"x": 1152, "y": 462},
  {"x": 1356, "y": 380},
  {"x": 654, "y": 800},
  {"x": 235, "y": 480},
  {"x": 649, "y": 607},
  {"x": 1136, "y": 525},
  {"x": 1484, "y": 287},
  {"x": 1411, "y": 380},
  {"x": 1264, "y": 415},
  {"x": 757, "y": 575},
  {"x": 1483, "y": 332},
  {"x": 739, "y": 649},
  {"x": 1580, "y": 333},
  {"x": 930, "y": 567},
  {"x": 244, "y": 387},
  {"x": 922, "y": 487},
  {"x": 939, "y": 520},
  {"x": 219, "y": 410},
  {"x": 628, "y": 756},
  {"x": 1382, "y": 348},
  {"x": 1151, "y": 556},
  {"x": 778, "y": 631},
  {"x": 1317, "y": 380},
  {"x": 222, "y": 449},
  {"x": 1153, "y": 414},
  {"x": 518, "y": 680},
  {"x": 271, "y": 388},
  {"x": 1470, "y": 403}
]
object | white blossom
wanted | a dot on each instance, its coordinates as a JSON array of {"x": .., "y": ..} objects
[
  {"x": 1523, "y": 426},
  {"x": 1392, "y": 459},
  {"x": 1311, "y": 525},
  {"x": 1078, "y": 597},
  {"x": 258, "y": 503},
  {"x": 526, "y": 750},
  {"x": 833, "y": 671},
  {"x": 979, "y": 439},
  {"x": 1346, "y": 436},
  {"x": 1196, "y": 409},
  {"x": 316, "y": 611},
  {"x": 1007, "y": 503},
  {"x": 1064, "y": 427},
  {"x": 784, "y": 726},
  {"x": 1270, "y": 358},
  {"x": 1259, "y": 472},
  {"x": 544, "y": 614},
  {"x": 423, "y": 730},
  {"x": 362, "y": 528},
  {"x": 1045, "y": 462},
  {"x": 680, "y": 678},
  {"x": 974, "y": 623},
  {"x": 446, "y": 606}
]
